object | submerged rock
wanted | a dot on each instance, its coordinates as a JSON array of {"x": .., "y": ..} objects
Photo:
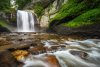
[
  {"x": 78, "y": 53},
  {"x": 52, "y": 61}
]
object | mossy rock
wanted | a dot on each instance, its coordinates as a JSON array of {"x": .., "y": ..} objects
[
  {"x": 77, "y": 15},
  {"x": 90, "y": 17},
  {"x": 5, "y": 26},
  {"x": 74, "y": 8}
]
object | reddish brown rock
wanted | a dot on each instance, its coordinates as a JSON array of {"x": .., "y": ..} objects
[{"x": 52, "y": 61}]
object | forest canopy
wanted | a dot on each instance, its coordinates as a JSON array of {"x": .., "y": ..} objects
[
  {"x": 4, "y": 4},
  {"x": 22, "y": 3}
]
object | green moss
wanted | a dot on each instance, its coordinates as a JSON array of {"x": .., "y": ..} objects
[
  {"x": 90, "y": 17},
  {"x": 5, "y": 24},
  {"x": 74, "y": 8},
  {"x": 68, "y": 9}
]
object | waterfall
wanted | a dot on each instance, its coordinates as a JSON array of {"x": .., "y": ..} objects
[{"x": 25, "y": 21}]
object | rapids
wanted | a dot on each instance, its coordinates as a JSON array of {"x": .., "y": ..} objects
[{"x": 66, "y": 59}]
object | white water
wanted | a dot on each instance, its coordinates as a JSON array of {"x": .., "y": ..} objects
[
  {"x": 25, "y": 21},
  {"x": 66, "y": 59}
]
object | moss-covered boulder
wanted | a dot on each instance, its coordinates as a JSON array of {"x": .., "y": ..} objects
[{"x": 77, "y": 15}]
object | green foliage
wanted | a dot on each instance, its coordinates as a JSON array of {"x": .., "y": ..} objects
[
  {"x": 4, "y": 24},
  {"x": 90, "y": 17},
  {"x": 11, "y": 10},
  {"x": 4, "y": 5},
  {"x": 75, "y": 8},
  {"x": 69, "y": 8},
  {"x": 22, "y": 3},
  {"x": 78, "y": 13},
  {"x": 38, "y": 8}
]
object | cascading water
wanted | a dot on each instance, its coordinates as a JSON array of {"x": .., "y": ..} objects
[
  {"x": 84, "y": 53},
  {"x": 25, "y": 21}
]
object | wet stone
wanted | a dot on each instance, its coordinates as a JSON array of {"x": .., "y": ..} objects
[
  {"x": 52, "y": 61},
  {"x": 80, "y": 54},
  {"x": 37, "y": 49},
  {"x": 7, "y": 60}
]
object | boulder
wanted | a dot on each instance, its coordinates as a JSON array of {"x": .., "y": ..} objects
[
  {"x": 4, "y": 29},
  {"x": 7, "y": 60},
  {"x": 80, "y": 54}
]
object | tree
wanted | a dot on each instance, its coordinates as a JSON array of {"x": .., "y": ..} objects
[
  {"x": 21, "y": 3},
  {"x": 4, "y": 4}
]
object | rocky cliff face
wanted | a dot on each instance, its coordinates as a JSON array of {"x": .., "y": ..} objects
[
  {"x": 44, "y": 3},
  {"x": 45, "y": 9},
  {"x": 76, "y": 16},
  {"x": 50, "y": 12},
  {"x": 68, "y": 15}
]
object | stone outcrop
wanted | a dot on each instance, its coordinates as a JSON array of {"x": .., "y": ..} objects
[
  {"x": 45, "y": 3},
  {"x": 50, "y": 8},
  {"x": 7, "y": 60},
  {"x": 76, "y": 16},
  {"x": 7, "y": 21},
  {"x": 50, "y": 12}
]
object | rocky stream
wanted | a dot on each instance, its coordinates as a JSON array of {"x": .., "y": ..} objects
[{"x": 48, "y": 50}]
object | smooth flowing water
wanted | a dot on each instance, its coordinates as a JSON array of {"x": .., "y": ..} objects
[
  {"x": 90, "y": 46},
  {"x": 25, "y": 21},
  {"x": 85, "y": 53},
  {"x": 45, "y": 50}
]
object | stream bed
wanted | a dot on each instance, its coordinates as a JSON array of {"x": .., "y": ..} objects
[{"x": 49, "y": 50}]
